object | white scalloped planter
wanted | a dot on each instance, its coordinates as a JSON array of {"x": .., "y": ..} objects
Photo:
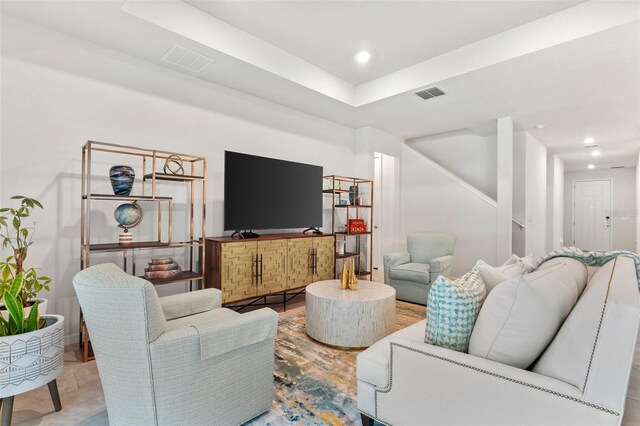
[
  {"x": 30, "y": 360},
  {"x": 42, "y": 308}
]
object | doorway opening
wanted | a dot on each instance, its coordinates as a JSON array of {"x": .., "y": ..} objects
[{"x": 385, "y": 200}]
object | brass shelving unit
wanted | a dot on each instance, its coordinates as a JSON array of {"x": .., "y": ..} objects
[
  {"x": 150, "y": 160},
  {"x": 358, "y": 245}
]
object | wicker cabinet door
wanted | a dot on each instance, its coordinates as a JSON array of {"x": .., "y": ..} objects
[
  {"x": 272, "y": 257},
  {"x": 238, "y": 270},
  {"x": 299, "y": 271},
  {"x": 325, "y": 252}
]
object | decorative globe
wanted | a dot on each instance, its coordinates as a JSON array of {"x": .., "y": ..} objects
[{"x": 128, "y": 215}]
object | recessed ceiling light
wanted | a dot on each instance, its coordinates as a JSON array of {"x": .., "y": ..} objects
[
  {"x": 540, "y": 126},
  {"x": 589, "y": 140},
  {"x": 595, "y": 153},
  {"x": 591, "y": 166},
  {"x": 363, "y": 57}
]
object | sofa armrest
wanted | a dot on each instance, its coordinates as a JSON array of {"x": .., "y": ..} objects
[
  {"x": 440, "y": 264},
  {"x": 429, "y": 382},
  {"x": 191, "y": 303},
  {"x": 220, "y": 338},
  {"x": 398, "y": 258}
]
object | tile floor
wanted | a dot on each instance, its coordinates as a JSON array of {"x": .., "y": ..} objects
[{"x": 83, "y": 400}]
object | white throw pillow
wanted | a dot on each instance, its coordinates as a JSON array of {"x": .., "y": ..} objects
[
  {"x": 510, "y": 261},
  {"x": 528, "y": 262},
  {"x": 494, "y": 275},
  {"x": 521, "y": 316}
]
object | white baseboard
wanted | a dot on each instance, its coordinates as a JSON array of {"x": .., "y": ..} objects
[{"x": 71, "y": 339}]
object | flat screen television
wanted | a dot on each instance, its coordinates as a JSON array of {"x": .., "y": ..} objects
[{"x": 265, "y": 193}]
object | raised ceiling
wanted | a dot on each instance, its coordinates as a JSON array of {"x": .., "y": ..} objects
[
  {"x": 397, "y": 33},
  {"x": 575, "y": 68}
]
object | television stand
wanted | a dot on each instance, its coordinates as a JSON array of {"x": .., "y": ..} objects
[
  {"x": 245, "y": 234},
  {"x": 314, "y": 229}
]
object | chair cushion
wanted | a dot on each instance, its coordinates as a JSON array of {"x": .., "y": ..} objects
[
  {"x": 494, "y": 275},
  {"x": 521, "y": 316},
  {"x": 416, "y": 272},
  {"x": 373, "y": 363},
  {"x": 452, "y": 309}
]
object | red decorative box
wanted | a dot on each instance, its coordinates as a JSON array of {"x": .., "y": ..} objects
[{"x": 357, "y": 226}]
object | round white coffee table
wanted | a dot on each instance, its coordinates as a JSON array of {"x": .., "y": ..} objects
[{"x": 349, "y": 319}]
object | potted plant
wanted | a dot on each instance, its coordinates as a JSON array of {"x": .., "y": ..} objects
[
  {"x": 31, "y": 344},
  {"x": 17, "y": 236},
  {"x": 31, "y": 349}
]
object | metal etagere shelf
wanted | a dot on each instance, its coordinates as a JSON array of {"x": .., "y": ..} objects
[
  {"x": 150, "y": 161},
  {"x": 346, "y": 193}
]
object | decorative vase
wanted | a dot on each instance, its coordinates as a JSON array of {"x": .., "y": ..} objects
[
  {"x": 353, "y": 195},
  {"x": 353, "y": 280},
  {"x": 32, "y": 359},
  {"x": 122, "y": 178},
  {"x": 344, "y": 277}
]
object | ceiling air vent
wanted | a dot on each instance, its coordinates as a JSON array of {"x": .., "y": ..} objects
[
  {"x": 429, "y": 93},
  {"x": 617, "y": 167},
  {"x": 186, "y": 58},
  {"x": 592, "y": 146}
]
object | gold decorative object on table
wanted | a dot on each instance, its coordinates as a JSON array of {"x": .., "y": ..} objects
[
  {"x": 173, "y": 165},
  {"x": 353, "y": 280},
  {"x": 344, "y": 277}
]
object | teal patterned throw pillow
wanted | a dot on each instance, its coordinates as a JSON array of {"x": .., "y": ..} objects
[{"x": 452, "y": 309}]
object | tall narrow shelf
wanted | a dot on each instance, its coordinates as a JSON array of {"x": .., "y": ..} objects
[
  {"x": 149, "y": 161},
  {"x": 357, "y": 193}
]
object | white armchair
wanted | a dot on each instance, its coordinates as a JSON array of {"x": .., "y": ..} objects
[
  {"x": 411, "y": 272},
  {"x": 179, "y": 359}
]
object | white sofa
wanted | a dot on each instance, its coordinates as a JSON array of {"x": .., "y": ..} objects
[{"x": 404, "y": 381}]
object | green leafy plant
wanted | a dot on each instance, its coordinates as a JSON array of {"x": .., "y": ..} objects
[
  {"x": 17, "y": 323},
  {"x": 15, "y": 235}
]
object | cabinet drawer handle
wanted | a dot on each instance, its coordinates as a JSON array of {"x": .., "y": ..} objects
[{"x": 315, "y": 266}]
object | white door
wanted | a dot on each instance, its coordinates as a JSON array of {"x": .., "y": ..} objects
[
  {"x": 377, "y": 213},
  {"x": 592, "y": 215}
]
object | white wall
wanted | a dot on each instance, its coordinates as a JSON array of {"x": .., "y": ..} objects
[
  {"x": 555, "y": 202},
  {"x": 368, "y": 142},
  {"x": 637, "y": 211},
  {"x": 58, "y": 92},
  {"x": 535, "y": 197},
  {"x": 470, "y": 156},
  {"x": 435, "y": 200},
  {"x": 505, "y": 166},
  {"x": 519, "y": 193},
  {"x": 624, "y": 214},
  {"x": 530, "y": 192}
]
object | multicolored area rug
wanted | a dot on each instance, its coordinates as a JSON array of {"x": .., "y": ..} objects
[{"x": 316, "y": 384}]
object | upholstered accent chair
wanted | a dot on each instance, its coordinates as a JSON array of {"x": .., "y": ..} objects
[
  {"x": 411, "y": 272},
  {"x": 180, "y": 359}
]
